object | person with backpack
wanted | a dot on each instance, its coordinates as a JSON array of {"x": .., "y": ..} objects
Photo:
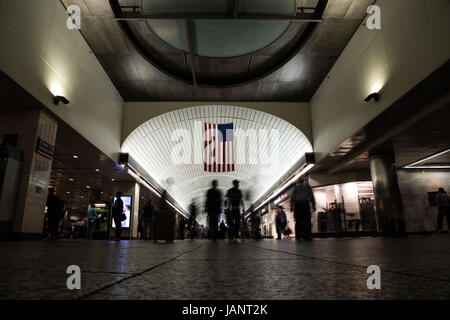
[
  {"x": 147, "y": 220},
  {"x": 117, "y": 215}
]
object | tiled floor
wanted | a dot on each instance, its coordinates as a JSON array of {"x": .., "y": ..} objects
[{"x": 417, "y": 267}]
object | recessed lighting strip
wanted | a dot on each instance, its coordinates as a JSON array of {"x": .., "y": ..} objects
[
  {"x": 142, "y": 181},
  {"x": 414, "y": 165},
  {"x": 284, "y": 186}
]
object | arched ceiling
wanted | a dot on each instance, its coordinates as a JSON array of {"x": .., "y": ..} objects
[{"x": 260, "y": 161}]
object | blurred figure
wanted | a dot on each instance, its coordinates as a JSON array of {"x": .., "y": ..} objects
[
  {"x": 212, "y": 207},
  {"x": 234, "y": 203},
  {"x": 256, "y": 226},
  {"x": 117, "y": 211},
  {"x": 147, "y": 220},
  {"x": 300, "y": 200},
  {"x": 164, "y": 222},
  {"x": 443, "y": 202},
  {"x": 191, "y": 223},
  {"x": 222, "y": 230},
  {"x": 182, "y": 228},
  {"x": 280, "y": 221},
  {"x": 140, "y": 229},
  {"x": 245, "y": 234},
  {"x": 53, "y": 212},
  {"x": 92, "y": 221}
]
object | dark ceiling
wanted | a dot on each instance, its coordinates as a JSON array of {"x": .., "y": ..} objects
[
  {"x": 290, "y": 69},
  {"x": 413, "y": 128}
]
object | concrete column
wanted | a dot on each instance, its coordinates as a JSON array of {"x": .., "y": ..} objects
[
  {"x": 387, "y": 194},
  {"x": 35, "y": 172}
]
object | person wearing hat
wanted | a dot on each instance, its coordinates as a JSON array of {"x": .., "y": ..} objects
[{"x": 234, "y": 203}]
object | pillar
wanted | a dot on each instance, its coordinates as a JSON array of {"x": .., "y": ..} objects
[
  {"x": 29, "y": 207},
  {"x": 388, "y": 200}
]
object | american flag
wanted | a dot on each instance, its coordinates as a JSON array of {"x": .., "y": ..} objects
[{"x": 219, "y": 149}]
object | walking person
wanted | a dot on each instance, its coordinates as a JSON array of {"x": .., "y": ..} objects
[
  {"x": 234, "y": 203},
  {"x": 147, "y": 219},
  {"x": 53, "y": 210},
  {"x": 256, "y": 226},
  {"x": 443, "y": 202},
  {"x": 300, "y": 200},
  {"x": 117, "y": 212},
  {"x": 92, "y": 221},
  {"x": 191, "y": 222},
  {"x": 181, "y": 228},
  {"x": 212, "y": 207},
  {"x": 280, "y": 221}
]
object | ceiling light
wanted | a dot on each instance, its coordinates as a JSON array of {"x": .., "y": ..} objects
[
  {"x": 97, "y": 170},
  {"x": 71, "y": 179},
  {"x": 88, "y": 187},
  {"x": 375, "y": 96},
  {"x": 57, "y": 99},
  {"x": 68, "y": 192},
  {"x": 112, "y": 179},
  {"x": 75, "y": 157}
]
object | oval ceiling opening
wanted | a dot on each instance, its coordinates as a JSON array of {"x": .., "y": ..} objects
[{"x": 219, "y": 38}]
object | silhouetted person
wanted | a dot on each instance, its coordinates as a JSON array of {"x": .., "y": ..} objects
[
  {"x": 182, "y": 228},
  {"x": 53, "y": 209},
  {"x": 222, "y": 230},
  {"x": 300, "y": 200},
  {"x": 92, "y": 221},
  {"x": 443, "y": 202},
  {"x": 280, "y": 221},
  {"x": 192, "y": 217},
  {"x": 212, "y": 207},
  {"x": 117, "y": 212},
  {"x": 234, "y": 203},
  {"x": 164, "y": 225},
  {"x": 256, "y": 226},
  {"x": 147, "y": 219}
]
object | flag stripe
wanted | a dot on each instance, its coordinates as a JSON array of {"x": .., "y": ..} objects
[{"x": 219, "y": 148}]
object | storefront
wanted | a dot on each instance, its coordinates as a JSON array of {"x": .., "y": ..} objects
[
  {"x": 340, "y": 208},
  {"x": 284, "y": 200},
  {"x": 347, "y": 207}
]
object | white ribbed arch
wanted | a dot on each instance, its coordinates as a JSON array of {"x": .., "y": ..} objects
[{"x": 151, "y": 146}]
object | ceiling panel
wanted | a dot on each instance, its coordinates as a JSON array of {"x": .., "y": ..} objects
[{"x": 145, "y": 82}]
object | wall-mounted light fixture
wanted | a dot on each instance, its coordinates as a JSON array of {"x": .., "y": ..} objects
[
  {"x": 58, "y": 99},
  {"x": 375, "y": 96}
]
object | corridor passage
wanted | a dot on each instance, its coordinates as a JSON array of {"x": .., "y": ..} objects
[{"x": 411, "y": 268}]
